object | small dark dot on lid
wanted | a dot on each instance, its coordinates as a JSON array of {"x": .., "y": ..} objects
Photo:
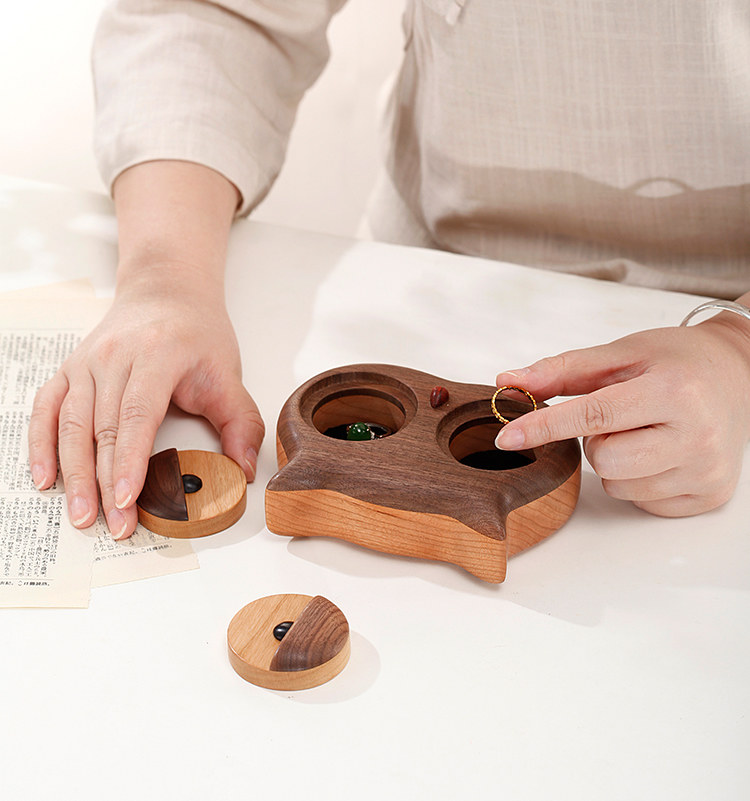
[
  {"x": 191, "y": 483},
  {"x": 280, "y": 631}
]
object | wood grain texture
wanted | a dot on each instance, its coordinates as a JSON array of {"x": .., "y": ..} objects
[
  {"x": 218, "y": 504},
  {"x": 317, "y": 637},
  {"x": 408, "y": 493},
  {"x": 308, "y": 660},
  {"x": 535, "y": 521},
  {"x": 163, "y": 495},
  {"x": 324, "y": 513}
]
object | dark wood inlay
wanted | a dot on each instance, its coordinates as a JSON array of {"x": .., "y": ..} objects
[
  {"x": 316, "y": 637},
  {"x": 163, "y": 494}
]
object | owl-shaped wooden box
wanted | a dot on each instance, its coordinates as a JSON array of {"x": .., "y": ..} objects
[{"x": 376, "y": 455}]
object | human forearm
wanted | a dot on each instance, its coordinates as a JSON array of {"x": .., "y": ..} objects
[
  {"x": 212, "y": 83},
  {"x": 167, "y": 338},
  {"x": 173, "y": 223}
]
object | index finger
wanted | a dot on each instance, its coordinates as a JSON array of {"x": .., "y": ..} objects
[
  {"x": 144, "y": 405},
  {"x": 620, "y": 407}
]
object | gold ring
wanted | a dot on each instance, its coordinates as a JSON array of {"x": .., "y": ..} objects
[{"x": 502, "y": 389}]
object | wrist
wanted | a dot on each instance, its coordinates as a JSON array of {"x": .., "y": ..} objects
[
  {"x": 159, "y": 279},
  {"x": 732, "y": 332},
  {"x": 730, "y": 316},
  {"x": 734, "y": 326}
]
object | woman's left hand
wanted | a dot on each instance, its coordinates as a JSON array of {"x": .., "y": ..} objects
[{"x": 665, "y": 413}]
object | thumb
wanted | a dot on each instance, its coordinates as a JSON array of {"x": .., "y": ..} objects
[{"x": 233, "y": 413}]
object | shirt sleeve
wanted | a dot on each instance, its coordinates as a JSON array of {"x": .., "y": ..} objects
[{"x": 217, "y": 83}]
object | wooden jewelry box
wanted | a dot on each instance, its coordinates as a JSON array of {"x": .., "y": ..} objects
[{"x": 430, "y": 484}]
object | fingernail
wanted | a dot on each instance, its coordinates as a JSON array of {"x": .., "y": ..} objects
[
  {"x": 251, "y": 459},
  {"x": 78, "y": 509},
  {"x": 123, "y": 494},
  {"x": 38, "y": 476},
  {"x": 510, "y": 439},
  {"x": 116, "y": 523},
  {"x": 519, "y": 373}
]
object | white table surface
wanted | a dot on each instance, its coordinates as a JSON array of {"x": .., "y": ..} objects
[{"x": 612, "y": 664}]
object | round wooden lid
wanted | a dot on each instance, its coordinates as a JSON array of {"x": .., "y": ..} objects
[
  {"x": 191, "y": 493},
  {"x": 289, "y": 642}
]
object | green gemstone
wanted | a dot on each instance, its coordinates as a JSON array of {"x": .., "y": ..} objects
[{"x": 359, "y": 431}]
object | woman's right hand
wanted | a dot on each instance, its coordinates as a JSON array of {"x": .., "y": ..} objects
[{"x": 157, "y": 345}]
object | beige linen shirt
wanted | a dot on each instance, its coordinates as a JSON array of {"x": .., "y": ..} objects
[{"x": 604, "y": 137}]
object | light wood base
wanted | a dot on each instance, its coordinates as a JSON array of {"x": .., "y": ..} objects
[
  {"x": 530, "y": 524},
  {"x": 322, "y": 513}
]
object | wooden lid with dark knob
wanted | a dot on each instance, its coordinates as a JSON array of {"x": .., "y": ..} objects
[
  {"x": 191, "y": 493},
  {"x": 289, "y": 642}
]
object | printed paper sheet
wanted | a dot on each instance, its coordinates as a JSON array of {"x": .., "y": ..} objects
[{"x": 44, "y": 559}]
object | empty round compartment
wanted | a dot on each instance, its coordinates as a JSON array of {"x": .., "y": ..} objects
[{"x": 473, "y": 444}]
